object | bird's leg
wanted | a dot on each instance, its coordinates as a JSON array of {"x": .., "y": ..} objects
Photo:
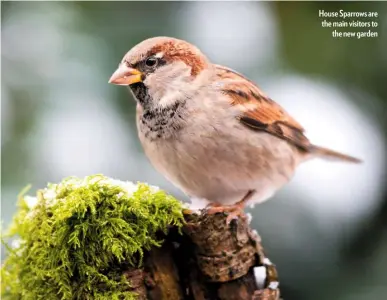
[{"x": 234, "y": 210}]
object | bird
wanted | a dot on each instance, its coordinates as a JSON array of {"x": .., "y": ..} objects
[{"x": 210, "y": 130}]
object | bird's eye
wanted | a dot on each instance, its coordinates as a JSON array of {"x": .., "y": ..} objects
[{"x": 151, "y": 62}]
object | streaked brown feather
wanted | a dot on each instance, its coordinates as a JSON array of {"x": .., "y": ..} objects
[{"x": 261, "y": 112}]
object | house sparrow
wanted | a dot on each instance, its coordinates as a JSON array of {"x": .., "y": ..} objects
[{"x": 209, "y": 130}]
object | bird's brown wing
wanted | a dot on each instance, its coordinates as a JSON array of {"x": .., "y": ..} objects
[{"x": 258, "y": 111}]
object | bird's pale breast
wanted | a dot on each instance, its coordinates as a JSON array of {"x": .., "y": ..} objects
[{"x": 215, "y": 157}]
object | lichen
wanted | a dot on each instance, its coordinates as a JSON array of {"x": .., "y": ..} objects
[{"x": 75, "y": 239}]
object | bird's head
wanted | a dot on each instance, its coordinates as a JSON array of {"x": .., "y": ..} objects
[{"x": 163, "y": 66}]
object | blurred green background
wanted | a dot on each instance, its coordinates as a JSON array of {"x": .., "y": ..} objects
[{"x": 326, "y": 230}]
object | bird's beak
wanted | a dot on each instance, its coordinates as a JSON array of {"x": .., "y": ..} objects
[{"x": 125, "y": 75}]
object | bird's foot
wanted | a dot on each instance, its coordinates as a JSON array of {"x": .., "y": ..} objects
[{"x": 234, "y": 211}]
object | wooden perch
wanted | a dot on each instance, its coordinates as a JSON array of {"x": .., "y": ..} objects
[{"x": 211, "y": 260}]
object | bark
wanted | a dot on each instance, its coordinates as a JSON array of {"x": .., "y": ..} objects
[{"x": 208, "y": 260}]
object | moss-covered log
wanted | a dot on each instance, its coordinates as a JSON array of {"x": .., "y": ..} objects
[{"x": 99, "y": 238}]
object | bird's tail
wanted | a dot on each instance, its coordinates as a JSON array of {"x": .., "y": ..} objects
[{"x": 325, "y": 153}]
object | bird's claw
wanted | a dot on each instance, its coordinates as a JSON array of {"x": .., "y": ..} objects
[{"x": 234, "y": 211}]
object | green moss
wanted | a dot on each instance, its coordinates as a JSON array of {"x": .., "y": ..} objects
[{"x": 76, "y": 237}]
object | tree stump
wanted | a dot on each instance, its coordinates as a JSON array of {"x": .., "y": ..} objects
[
  {"x": 209, "y": 260},
  {"x": 101, "y": 238}
]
